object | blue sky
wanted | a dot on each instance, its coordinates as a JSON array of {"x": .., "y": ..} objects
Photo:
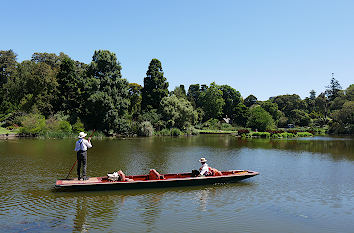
[{"x": 264, "y": 48}]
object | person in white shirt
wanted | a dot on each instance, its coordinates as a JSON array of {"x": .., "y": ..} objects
[
  {"x": 81, "y": 147},
  {"x": 204, "y": 169}
]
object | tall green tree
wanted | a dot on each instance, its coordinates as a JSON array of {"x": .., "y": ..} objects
[
  {"x": 333, "y": 88},
  {"x": 193, "y": 94},
  {"x": 231, "y": 97},
  {"x": 107, "y": 99},
  {"x": 135, "y": 99},
  {"x": 240, "y": 115},
  {"x": 8, "y": 65},
  {"x": 212, "y": 102},
  {"x": 155, "y": 86},
  {"x": 70, "y": 89}
]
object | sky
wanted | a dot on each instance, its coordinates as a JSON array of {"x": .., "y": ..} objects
[{"x": 264, "y": 48}]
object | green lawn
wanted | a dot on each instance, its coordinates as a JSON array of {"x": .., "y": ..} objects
[{"x": 5, "y": 131}]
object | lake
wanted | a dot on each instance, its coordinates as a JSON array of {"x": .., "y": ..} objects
[{"x": 305, "y": 185}]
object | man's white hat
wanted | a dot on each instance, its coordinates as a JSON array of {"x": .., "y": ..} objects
[
  {"x": 202, "y": 160},
  {"x": 82, "y": 135}
]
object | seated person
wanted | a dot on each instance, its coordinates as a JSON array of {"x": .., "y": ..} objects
[{"x": 204, "y": 170}]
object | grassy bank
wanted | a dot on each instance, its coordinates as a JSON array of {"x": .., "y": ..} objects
[{"x": 7, "y": 131}]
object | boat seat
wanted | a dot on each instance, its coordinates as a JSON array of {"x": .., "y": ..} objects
[{"x": 154, "y": 175}]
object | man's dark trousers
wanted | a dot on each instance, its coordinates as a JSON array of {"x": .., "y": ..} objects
[{"x": 81, "y": 158}]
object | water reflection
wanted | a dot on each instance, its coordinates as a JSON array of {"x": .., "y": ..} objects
[{"x": 80, "y": 220}]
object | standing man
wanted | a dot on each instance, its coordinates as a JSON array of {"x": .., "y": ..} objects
[{"x": 81, "y": 147}]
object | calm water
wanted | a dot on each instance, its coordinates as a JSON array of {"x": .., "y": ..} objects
[{"x": 305, "y": 186}]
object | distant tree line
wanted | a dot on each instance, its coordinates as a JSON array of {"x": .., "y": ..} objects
[{"x": 55, "y": 92}]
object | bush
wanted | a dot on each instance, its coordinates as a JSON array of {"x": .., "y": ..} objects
[
  {"x": 304, "y": 134},
  {"x": 211, "y": 124},
  {"x": 283, "y": 135},
  {"x": 261, "y": 134},
  {"x": 65, "y": 127},
  {"x": 146, "y": 129},
  {"x": 191, "y": 131},
  {"x": 33, "y": 124},
  {"x": 78, "y": 126},
  {"x": 176, "y": 132},
  {"x": 164, "y": 132}
]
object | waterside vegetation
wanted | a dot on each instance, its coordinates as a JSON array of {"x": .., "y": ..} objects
[{"x": 55, "y": 96}]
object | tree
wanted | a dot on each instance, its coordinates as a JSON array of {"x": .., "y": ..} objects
[
  {"x": 299, "y": 117},
  {"x": 231, "y": 97},
  {"x": 240, "y": 115},
  {"x": 312, "y": 94},
  {"x": 8, "y": 65},
  {"x": 343, "y": 119},
  {"x": 180, "y": 92},
  {"x": 70, "y": 89},
  {"x": 50, "y": 59},
  {"x": 107, "y": 94},
  {"x": 178, "y": 112},
  {"x": 333, "y": 88},
  {"x": 155, "y": 86},
  {"x": 349, "y": 93},
  {"x": 260, "y": 119},
  {"x": 250, "y": 100},
  {"x": 287, "y": 103},
  {"x": 193, "y": 94},
  {"x": 211, "y": 102},
  {"x": 272, "y": 109},
  {"x": 34, "y": 88},
  {"x": 135, "y": 99}
]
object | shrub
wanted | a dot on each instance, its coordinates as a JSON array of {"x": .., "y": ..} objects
[
  {"x": 78, "y": 126},
  {"x": 32, "y": 124},
  {"x": 176, "y": 132},
  {"x": 65, "y": 127},
  {"x": 283, "y": 135},
  {"x": 191, "y": 131},
  {"x": 164, "y": 132},
  {"x": 304, "y": 134},
  {"x": 146, "y": 129},
  {"x": 225, "y": 126},
  {"x": 261, "y": 134}
]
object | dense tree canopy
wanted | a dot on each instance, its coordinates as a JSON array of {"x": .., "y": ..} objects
[{"x": 54, "y": 92}]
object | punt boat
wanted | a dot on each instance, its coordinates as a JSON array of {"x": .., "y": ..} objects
[{"x": 152, "y": 180}]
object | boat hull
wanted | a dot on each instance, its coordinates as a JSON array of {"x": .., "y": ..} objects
[{"x": 96, "y": 183}]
